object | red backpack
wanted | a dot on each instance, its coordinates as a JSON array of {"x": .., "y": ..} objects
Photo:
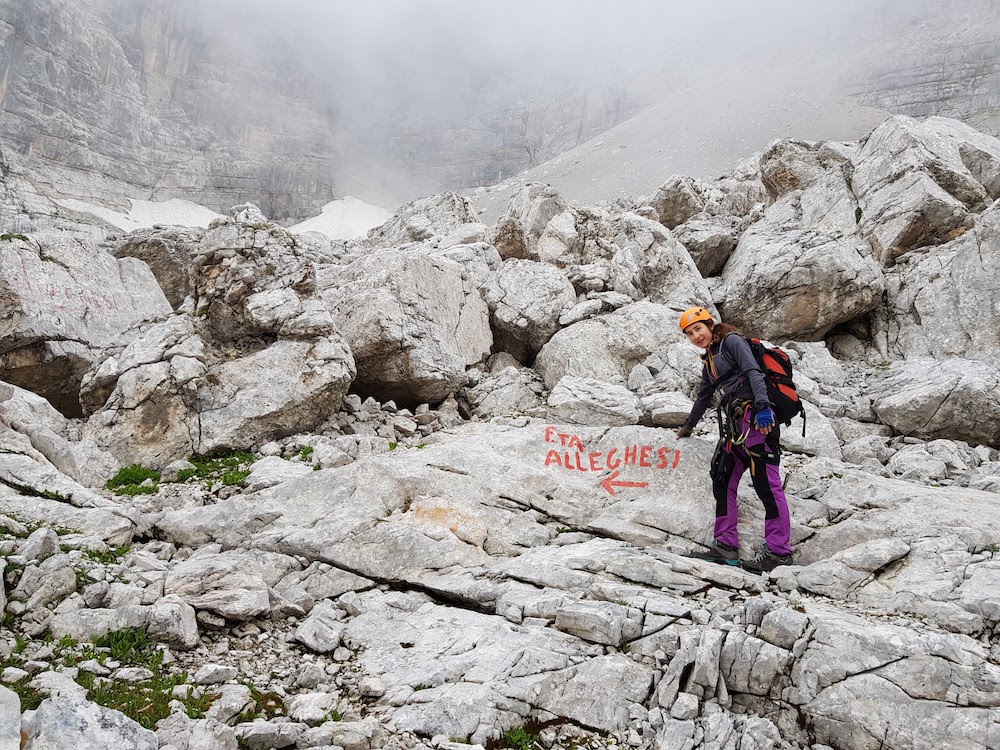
[{"x": 777, "y": 369}]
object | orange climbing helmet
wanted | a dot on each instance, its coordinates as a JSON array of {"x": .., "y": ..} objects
[{"x": 694, "y": 315}]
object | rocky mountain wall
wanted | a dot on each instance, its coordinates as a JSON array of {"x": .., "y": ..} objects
[{"x": 107, "y": 100}]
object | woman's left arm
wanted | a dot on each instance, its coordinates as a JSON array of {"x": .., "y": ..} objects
[{"x": 743, "y": 356}]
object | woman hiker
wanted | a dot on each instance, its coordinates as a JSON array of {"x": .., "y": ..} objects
[{"x": 750, "y": 440}]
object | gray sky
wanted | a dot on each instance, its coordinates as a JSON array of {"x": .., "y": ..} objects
[{"x": 435, "y": 64}]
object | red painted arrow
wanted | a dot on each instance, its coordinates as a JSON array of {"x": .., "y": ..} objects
[{"x": 609, "y": 483}]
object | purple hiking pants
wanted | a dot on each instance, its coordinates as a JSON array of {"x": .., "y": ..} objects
[{"x": 766, "y": 478}]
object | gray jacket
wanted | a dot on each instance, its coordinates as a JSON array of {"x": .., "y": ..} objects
[{"x": 729, "y": 365}]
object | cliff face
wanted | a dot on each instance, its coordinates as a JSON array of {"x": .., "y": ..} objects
[
  {"x": 934, "y": 68},
  {"x": 111, "y": 99},
  {"x": 104, "y": 100}
]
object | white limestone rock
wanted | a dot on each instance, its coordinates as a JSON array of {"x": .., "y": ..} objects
[
  {"x": 507, "y": 392},
  {"x": 677, "y": 200},
  {"x": 531, "y": 209},
  {"x": 179, "y": 731},
  {"x": 952, "y": 398},
  {"x": 944, "y": 304},
  {"x": 838, "y": 576},
  {"x": 593, "y": 402},
  {"x": 62, "y": 302},
  {"x": 608, "y": 346},
  {"x": 526, "y": 300},
  {"x": 273, "y": 470},
  {"x": 422, "y": 219},
  {"x": 919, "y": 182},
  {"x": 10, "y": 720},
  {"x": 414, "y": 324},
  {"x": 322, "y": 630},
  {"x": 649, "y": 263},
  {"x": 67, "y": 722},
  {"x": 228, "y": 584}
]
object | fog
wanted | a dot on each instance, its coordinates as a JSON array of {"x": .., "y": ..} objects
[{"x": 405, "y": 79}]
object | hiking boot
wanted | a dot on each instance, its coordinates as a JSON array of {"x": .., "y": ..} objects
[
  {"x": 721, "y": 553},
  {"x": 767, "y": 561}
]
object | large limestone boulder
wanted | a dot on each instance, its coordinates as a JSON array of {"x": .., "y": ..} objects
[
  {"x": 168, "y": 252},
  {"x": 952, "y": 398},
  {"x": 802, "y": 269},
  {"x": 526, "y": 300},
  {"x": 531, "y": 209},
  {"x": 650, "y": 264},
  {"x": 414, "y": 323},
  {"x": 229, "y": 585},
  {"x": 168, "y": 394},
  {"x": 422, "y": 219},
  {"x": 710, "y": 240},
  {"x": 901, "y": 673},
  {"x": 593, "y": 402},
  {"x": 677, "y": 200},
  {"x": 919, "y": 183},
  {"x": 48, "y": 431},
  {"x": 506, "y": 392},
  {"x": 945, "y": 303},
  {"x": 61, "y": 302},
  {"x": 607, "y": 347},
  {"x": 788, "y": 165},
  {"x": 251, "y": 279},
  {"x": 74, "y": 722}
]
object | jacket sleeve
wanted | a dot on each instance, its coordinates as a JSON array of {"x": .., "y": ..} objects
[
  {"x": 703, "y": 401},
  {"x": 739, "y": 351}
]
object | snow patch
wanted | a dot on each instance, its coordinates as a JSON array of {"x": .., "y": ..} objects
[
  {"x": 145, "y": 214},
  {"x": 344, "y": 219}
]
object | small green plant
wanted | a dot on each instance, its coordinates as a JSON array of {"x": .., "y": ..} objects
[
  {"x": 128, "y": 481},
  {"x": 421, "y": 686},
  {"x": 108, "y": 556},
  {"x": 12, "y": 236},
  {"x": 20, "y": 644},
  {"x": 25, "y": 489},
  {"x": 145, "y": 702},
  {"x": 197, "y": 703},
  {"x": 234, "y": 478},
  {"x": 131, "y": 646},
  {"x": 66, "y": 642},
  {"x": 29, "y": 697},
  {"x": 992, "y": 548},
  {"x": 857, "y": 215},
  {"x": 334, "y": 715},
  {"x": 228, "y": 469},
  {"x": 266, "y": 705},
  {"x": 306, "y": 452},
  {"x": 520, "y": 739},
  {"x": 392, "y": 446}
]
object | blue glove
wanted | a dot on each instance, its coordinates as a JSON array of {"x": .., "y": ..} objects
[{"x": 765, "y": 418}]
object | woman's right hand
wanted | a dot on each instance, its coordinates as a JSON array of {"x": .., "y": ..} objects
[{"x": 683, "y": 432}]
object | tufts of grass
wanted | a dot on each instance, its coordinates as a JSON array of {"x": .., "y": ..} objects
[
  {"x": 29, "y": 697},
  {"x": 520, "y": 739},
  {"x": 107, "y": 557},
  {"x": 145, "y": 702},
  {"x": 128, "y": 481},
  {"x": 230, "y": 470},
  {"x": 266, "y": 705},
  {"x": 131, "y": 646}
]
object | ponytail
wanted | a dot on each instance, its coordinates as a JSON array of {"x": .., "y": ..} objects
[{"x": 721, "y": 330}]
